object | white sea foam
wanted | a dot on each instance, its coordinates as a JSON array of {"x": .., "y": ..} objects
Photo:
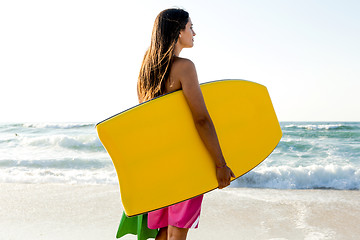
[
  {"x": 309, "y": 177},
  {"x": 68, "y": 176},
  {"x": 57, "y": 125},
  {"x": 65, "y": 141},
  {"x": 314, "y": 126},
  {"x": 49, "y": 147}
]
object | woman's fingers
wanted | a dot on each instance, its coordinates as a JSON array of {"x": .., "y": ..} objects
[
  {"x": 232, "y": 174},
  {"x": 224, "y": 183},
  {"x": 225, "y": 179}
]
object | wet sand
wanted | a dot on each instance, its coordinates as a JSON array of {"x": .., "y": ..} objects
[{"x": 60, "y": 211}]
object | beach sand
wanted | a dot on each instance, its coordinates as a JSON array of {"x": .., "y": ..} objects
[{"x": 59, "y": 211}]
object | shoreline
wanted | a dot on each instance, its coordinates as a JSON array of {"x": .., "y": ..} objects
[{"x": 63, "y": 211}]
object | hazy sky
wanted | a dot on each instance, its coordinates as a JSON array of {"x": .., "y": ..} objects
[{"x": 78, "y": 60}]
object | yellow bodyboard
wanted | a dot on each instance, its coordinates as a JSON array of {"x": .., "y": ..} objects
[{"x": 158, "y": 154}]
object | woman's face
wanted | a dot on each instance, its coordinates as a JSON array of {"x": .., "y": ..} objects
[{"x": 186, "y": 37}]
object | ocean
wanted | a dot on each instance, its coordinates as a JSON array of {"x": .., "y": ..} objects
[{"x": 310, "y": 155}]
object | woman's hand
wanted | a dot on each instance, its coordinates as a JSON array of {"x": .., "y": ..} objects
[{"x": 223, "y": 176}]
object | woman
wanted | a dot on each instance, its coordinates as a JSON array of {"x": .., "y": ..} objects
[{"x": 163, "y": 71}]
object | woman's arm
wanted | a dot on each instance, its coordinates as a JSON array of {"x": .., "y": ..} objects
[{"x": 186, "y": 72}]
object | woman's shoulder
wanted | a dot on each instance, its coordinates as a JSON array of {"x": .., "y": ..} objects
[
  {"x": 183, "y": 71},
  {"x": 182, "y": 65}
]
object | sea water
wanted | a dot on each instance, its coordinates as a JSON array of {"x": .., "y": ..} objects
[{"x": 310, "y": 155}]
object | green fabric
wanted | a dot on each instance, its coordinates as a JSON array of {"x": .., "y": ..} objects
[{"x": 136, "y": 225}]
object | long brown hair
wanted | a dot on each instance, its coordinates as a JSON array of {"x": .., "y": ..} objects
[{"x": 156, "y": 65}]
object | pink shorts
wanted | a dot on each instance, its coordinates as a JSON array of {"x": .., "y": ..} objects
[{"x": 185, "y": 214}]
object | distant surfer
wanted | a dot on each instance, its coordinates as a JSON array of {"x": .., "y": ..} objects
[{"x": 163, "y": 71}]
